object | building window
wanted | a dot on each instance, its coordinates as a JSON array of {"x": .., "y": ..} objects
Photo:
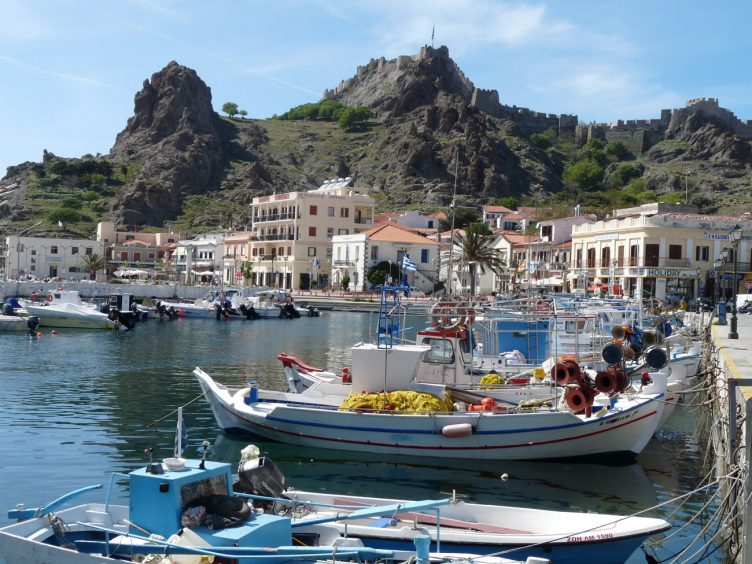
[
  {"x": 124, "y": 257},
  {"x": 330, "y": 211},
  {"x": 170, "y": 240},
  {"x": 74, "y": 250},
  {"x": 606, "y": 256},
  {"x": 547, "y": 231},
  {"x": 311, "y": 251},
  {"x": 33, "y": 252},
  {"x": 702, "y": 253},
  {"x": 424, "y": 255},
  {"x": 313, "y": 210},
  {"x": 344, "y": 212},
  {"x": 53, "y": 250},
  {"x": 374, "y": 253},
  {"x": 129, "y": 237},
  {"x": 311, "y": 231},
  {"x": 430, "y": 223},
  {"x": 328, "y": 252},
  {"x": 674, "y": 251},
  {"x": 136, "y": 257},
  {"x": 329, "y": 232},
  {"x": 343, "y": 232},
  {"x": 289, "y": 251},
  {"x": 254, "y": 252}
]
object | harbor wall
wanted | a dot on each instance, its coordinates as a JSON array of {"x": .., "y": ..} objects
[
  {"x": 728, "y": 368},
  {"x": 101, "y": 289}
]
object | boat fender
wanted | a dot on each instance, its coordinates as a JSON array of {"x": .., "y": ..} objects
[
  {"x": 48, "y": 297},
  {"x": 487, "y": 404},
  {"x": 457, "y": 430},
  {"x": 580, "y": 398},
  {"x": 560, "y": 374},
  {"x": 346, "y": 378}
]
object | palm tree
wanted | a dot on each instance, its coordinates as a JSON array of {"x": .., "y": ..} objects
[
  {"x": 92, "y": 263},
  {"x": 475, "y": 248}
]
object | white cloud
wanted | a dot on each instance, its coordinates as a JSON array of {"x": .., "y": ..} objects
[{"x": 58, "y": 74}]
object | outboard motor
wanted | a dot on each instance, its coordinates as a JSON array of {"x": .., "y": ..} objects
[
  {"x": 32, "y": 322},
  {"x": 260, "y": 476},
  {"x": 313, "y": 311},
  {"x": 8, "y": 310},
  {"x": 249, "y": 312}
]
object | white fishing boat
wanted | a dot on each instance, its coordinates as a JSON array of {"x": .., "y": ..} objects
[
  {"x": 64, "y": 308},
  {"x": 317, "y": 418},
  {"x": 461, "y": 526}
]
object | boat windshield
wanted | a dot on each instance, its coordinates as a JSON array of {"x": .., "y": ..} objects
[{"x": 441, "y": 351}]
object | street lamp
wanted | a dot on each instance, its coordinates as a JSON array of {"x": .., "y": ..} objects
[
  {"x": 736, "y": 236},
  {"x": 717, "y": 264}
]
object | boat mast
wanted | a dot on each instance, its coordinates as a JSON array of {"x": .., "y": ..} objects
[{"x": 451, "y": 231}]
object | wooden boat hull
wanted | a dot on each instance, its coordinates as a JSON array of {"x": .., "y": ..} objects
[{"x": 293, "y": 418}]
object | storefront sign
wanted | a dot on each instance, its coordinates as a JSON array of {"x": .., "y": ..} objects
[{"x": 667, "y": 273}]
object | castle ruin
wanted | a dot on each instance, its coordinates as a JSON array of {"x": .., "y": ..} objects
[{"x": 637, "y": 134}]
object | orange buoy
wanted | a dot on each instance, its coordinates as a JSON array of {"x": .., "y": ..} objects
[
  {"x": 54, "y": 332},
  {"x": 39, "y": 334}
]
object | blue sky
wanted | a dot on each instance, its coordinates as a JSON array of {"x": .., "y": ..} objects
[{"x": 70, "y": 68}]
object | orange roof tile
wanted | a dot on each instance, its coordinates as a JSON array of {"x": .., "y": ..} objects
[
  {"x": 496, "y": 209},
  {"x": 396, "y": 233}
]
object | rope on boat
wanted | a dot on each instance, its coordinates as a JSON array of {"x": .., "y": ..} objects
[{"x": 174, "y": 411}]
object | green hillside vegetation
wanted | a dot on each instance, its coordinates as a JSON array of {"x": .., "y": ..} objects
[{"x": 76, "y": 192}]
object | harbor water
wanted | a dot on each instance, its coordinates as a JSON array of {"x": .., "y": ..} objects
[{"x": 80, "y": 404}]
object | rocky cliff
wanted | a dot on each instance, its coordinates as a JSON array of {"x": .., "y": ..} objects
[{"x": 178, "y": 161}]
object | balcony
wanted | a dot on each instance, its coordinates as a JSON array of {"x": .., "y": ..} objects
[
  {"x": 276, "y": 237},
  {"x": 275, "y": 217},
  {"x": 343, "y": 262}
]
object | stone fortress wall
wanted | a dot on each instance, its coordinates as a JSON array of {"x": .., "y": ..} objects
[
  {"x": 637, "y": 134},
  {"x": 485, "y": 100},
  {"x": 641, "y": 134}
]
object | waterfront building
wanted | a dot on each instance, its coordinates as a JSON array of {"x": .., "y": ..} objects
[
  {"x": 354, "y": 255},
  {"x": 236, "y": 246},
  {"x": 660, "y": 250},
  {"x": 36, "y": 258},
  {"x": 135, "y": 251},
  {"x": 200, "y": 260},
  {"x": 292, "y": 232}
]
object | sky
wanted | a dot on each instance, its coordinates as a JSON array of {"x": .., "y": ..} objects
[{"x": 69, "y": 69}]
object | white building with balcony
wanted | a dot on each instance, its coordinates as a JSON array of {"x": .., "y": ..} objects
[
  {"x": 129, "y": 250},
  {"x": 199, "y": 260},
  {"x": 355, "y": 255},
  {"x": 41, "y": 257},
  {"x": 293, "y": 232},
  {"x": 661, "y": 250}
]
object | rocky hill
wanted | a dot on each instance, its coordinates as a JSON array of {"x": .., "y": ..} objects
[{"x": 178, "y": 162}]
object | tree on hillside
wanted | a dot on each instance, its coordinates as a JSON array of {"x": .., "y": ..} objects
[
  {"x": 242, "y": 114},
  {"x": 92, "y": 263},
  {"x": 354, "y": 117},
  {"x": 618, "y": 150},
  {"x": 508, "y": 202},
  {"x": 230, "y": 108},
  {"x": 585, "y": 175},
  {"x": 475, "y": 249}
]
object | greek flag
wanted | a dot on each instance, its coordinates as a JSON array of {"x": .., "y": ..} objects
[
  {"x": 317, "y": 264},
  {"x": 408, "y": 265},
  {"x": 181, "y": 435}
]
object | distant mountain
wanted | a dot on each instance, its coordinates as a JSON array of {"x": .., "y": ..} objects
[{"x": 178, "y": 162}]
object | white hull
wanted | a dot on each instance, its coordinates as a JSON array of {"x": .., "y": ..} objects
[
  {"x": 71, "y": 317},
  {"x": 306, "y": 419},
  {"x": 569, "y": 537},
  {"x": 13, "y": 323}
]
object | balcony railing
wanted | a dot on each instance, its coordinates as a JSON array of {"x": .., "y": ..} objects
[
  {"x": 277, "y": 237},
  {"x": 275, "y": 217},
  {"x": 343, "y": 262}
]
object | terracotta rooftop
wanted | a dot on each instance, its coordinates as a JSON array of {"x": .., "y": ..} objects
[
  {"x": 396, "y": 233},
  {"x": 496, "y": 209}
]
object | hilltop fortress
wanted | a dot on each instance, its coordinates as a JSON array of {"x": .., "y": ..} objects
[{"x": 638, "y": 135}]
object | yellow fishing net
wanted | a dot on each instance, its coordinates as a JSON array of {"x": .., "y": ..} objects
[{"x": 401, "y": 400}]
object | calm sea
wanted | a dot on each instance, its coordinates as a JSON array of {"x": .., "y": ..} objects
[{"x": 78, "y": 405}]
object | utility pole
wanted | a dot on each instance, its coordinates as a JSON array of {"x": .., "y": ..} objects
[{"x": 451, "y": 232}]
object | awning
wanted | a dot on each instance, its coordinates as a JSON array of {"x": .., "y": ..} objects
[
  {"x": 130, "y": 272},
  {"x": 205, "y": 273}
]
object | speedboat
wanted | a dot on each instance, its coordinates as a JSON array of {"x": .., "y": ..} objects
[
  {"x": 64, "y": 308},
  {"x": 186, "y": 511},
  {"x": 18, "y": 323}
]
